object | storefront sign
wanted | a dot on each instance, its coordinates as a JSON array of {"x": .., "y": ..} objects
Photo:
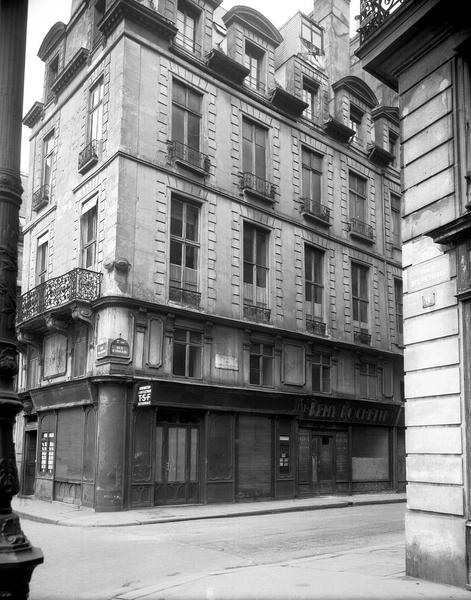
[
  {"x": 224, "y": 361},
  {"x": 349, "y": 412},
  {"x": 144, "y": 394}
]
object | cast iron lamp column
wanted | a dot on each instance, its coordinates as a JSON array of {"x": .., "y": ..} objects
[{"x": 17, "y": 557}]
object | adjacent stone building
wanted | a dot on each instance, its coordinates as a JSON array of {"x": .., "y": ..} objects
[
  {"x": 212, "y": 296},
  {"x": 422, "y": 50}
]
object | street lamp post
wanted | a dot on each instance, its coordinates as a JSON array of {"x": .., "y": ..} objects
[{"x": 17, "y": 557}]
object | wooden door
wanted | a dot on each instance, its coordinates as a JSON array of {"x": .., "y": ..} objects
[
  {"x": 323, "y": 463},
  {"x": 30, "y": 462}
]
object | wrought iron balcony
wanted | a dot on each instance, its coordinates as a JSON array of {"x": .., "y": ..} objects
[
  {"x": 88, "y": 156},
  {"x": 257, "y": 313},
  {"x": 316, "y": 210},
  {"x": 76, "y": 285},
  {"x": 362, "y": 336},
  {"x": 314, "y": 326},
  {"x": 373, "y": 13},
  {"x": 184, "y": 296},
  {"x": 189, "y": 157},
  {"x": 253, "y": 184},
  {"x": 40, "y": 198},
  {"x": 361, "y": 229},
  {"x": 188, "y": 44},
  {"x": 255, "y": 84}
]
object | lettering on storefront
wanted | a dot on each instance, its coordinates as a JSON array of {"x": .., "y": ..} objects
[
  {"x": 348, "y": 412},
  {"x": 144, "y": 394}
]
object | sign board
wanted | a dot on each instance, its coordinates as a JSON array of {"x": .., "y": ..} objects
[
  {"x": 224, "y": 361},
  {"x": 118, "y": 348},
  {"x": 144, "y": 394},
  {"x": 346, "y": 411}
]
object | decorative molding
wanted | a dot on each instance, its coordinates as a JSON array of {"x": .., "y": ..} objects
[
  {"x": 287, "y": 102},
  {"x": 70, "y": 71},
  {"x": 120, "y": 265},
  {"x": 227, "y": 67},
  {"x": 35, "y": 113},
  {"x": 83, "y": 313},
  {"x": 148, "y": 18},
  {"x": 52, "y": 38},
  {"x": 338, "y": 130},
  {"x": 55, "y": 324}
]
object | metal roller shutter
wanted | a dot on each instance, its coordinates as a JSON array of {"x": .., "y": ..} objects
[{"x": 254, "y": 465}]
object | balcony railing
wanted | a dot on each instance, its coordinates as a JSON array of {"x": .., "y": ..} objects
[
  {"x": 373, "y": 13},
  {"x": 255, "y": 84},
  {"x": 260, "y": 314},
  {"x": 315, "y": 327},
  {"x": 189, "y": 156},
  {"x": 360, "y": 228},
  {"x": 261, "y": 187},
  {"x": 76, "y": 285},
  {"x": 188, "y": 44},
  {"x": 362, "y": 336},
  {"x": 315, "y": 209},
  {"x": 184, "y": 296},
  {"x": 40, "y": 197},
  {"x": 88, "y": 156}
]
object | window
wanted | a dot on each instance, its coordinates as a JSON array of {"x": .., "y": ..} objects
[
  {"x": 33, "y": 370},
  {"x": 79, "y": 351},
  {"x": 310, "y": 95},
  {"x": 398, "y": 305},
  {"x": 312, "y": 175},
  {"x": 95, "y": 112},
  {"x": 396, "y": 219},
  {"x": 46, "y": 175},
  {"x": 254, "y": 140},
  {"x": 357, "y": 196},
  {"x": 312, "y": 35},
  {"x": 368, "y": 380},
  {"x": 255, "y": 266},
  {"x": 284, "y": 447},
  {"x": 314, "y": 282},
  {"x": 356, "y": 119},
  {"x": 187, "y": 20},
  {"x": 47, "y": 451},
  {"x": 41, "y": 259},
  {"x": 88, "y": 235},
  {"x": 320, "y": 369},
  {"x": 261, "y": 364},
  {"x": 98, "y": 12},
  {"x": 253, "y": 60},
  {"x": 186, "y": 115},
  {"x": 184, "y": 247},
  {"x": 52, "y": 73},
  {"x": 392, "y": 146},
  {"x": 187, "y": 351},
  {"x": 360, "y": 294}
]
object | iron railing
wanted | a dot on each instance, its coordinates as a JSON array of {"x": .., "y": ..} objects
[
  {"x": 361, "y": 228},
  {"x": 187, "y": 154},
  {"x": 255, "y": 84},
  {"x": 251, "y": 182},
  {"x": 314, "y": 208},
  {"x": 257, "y": 313},
  {"x": 316, "y": 327},
  {"x": 40, "y": 197},
  {"x": 188, "y": 44},
  {"x": 78, "y": 284},
  {"x": 362, "y": 336},
  {"x": 373, "y": 13},
  {"x": 184, "y": 296},
  {"x": 88, "y": 156}
]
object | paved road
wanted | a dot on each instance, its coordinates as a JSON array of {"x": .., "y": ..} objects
[{"x": 91, "y": 563}]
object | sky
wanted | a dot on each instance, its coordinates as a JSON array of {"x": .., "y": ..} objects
[{"x": 42, "y": 14}]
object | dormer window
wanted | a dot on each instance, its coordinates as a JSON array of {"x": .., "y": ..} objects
[
  {"x": 253, "y": 60},
  {"x": 52, "y": 73},
  {"x": 355, "y": 122},
  {"x": 98, "y": 12},
  {"x": 310, "y": 95},
  {"x": 392, "y": 146},
  {"x": 187, "y": 24},
  {"x": 311, "y": 35}
]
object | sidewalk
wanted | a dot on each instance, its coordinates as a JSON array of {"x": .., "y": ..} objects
[{"x": 59, "y": 513}]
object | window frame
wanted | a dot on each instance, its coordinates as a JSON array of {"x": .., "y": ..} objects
[
  {"x": 185, "y": 243},
  {"x": 316, "y": 286},
  {"x": 250, "y": 262},
  {"x": 359, "y": 300},
  {"x": 250, "y": 155},
  {"x": 91, "y": 213},
  {"x": 254, "y": 60},
  {"x": 188, "y": 12},
  {"x": 95, "y": 112},
  {"x": 399, "y": 306},
  {"x": 369, "y": 380},
  {"x": 47, "y": 452},
  {"x": 42, "y": 257},
  {"x": 395, "y": 203},
  {"x": 324, "y": 364},
  {"x": 188, "y": 345},
  {"x": 355, "y": 120},
  {"x": 46, "y": 166},
  {"x": 187, "y": 112},
  {"x": 312, "y": 170},
  {"x": 357, "y": 198},
  {"x": 310, "y": 95},
  {"x": 264, "y": 355}
]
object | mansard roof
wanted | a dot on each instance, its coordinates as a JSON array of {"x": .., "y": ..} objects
[
  {"x": 358, "y": 88},
  {"x": 255, "y": 21},
  {"x": 53, "y": 36}
]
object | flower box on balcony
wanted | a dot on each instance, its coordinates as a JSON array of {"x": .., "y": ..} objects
[
  {"x": 315, "y": 210},
  {"x": 362, "y": 336},
  {"x": 256, "y": 186},
  {"x": 188, "y": 157},
  {"x": 184, "y": 296},
  {"x": 361, "y": 230},
  {"x": 316, "y": 327},
  {"x": 88, "y": 157},
  {"x": 40, "y": 198},
  {"x": 261, "y": 314}
]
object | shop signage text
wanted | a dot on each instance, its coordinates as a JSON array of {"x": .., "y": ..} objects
[
  {"x": 144, "y": 394},
  {"x": 346, "y": 412}
]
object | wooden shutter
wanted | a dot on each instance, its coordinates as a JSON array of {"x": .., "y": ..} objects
[
  {"x": 254, "y": 456},
  {"x": 69, "y": 444}
]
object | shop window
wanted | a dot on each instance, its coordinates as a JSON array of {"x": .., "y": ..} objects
[
  {"x": 261, "y": 364},
  {"x": 42, "y": 246},
  {"x": 398, "y": 305},
  {"x": 284, "y": 445},
  {"x": 368, "y": 381},
  {"x": 396, "y": 219},
  {"x": 370, "y": 454},
  {"x": 186, "y": 121},
  {"x": 220, "y": 443},
  {"x": 253, "y": 60},
  {"x": 70, "y": 430},
  {"x": 187, "y": 25},
  {"x": 321, "y": 372},
  {"x": 360, "y": 294},
  {"x": 187, "y": 353},
  {"x": 255, "y": 266},
  {"x": 310, "y": 94},
  {"x": 47, "y": 452},
  {"x": 314, "y": 283},
  {"x": 88, "y": 226}
]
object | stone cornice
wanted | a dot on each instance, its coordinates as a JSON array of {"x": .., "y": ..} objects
[
  {"x": 70, "y": 71},
  {"x": 452, "y": 232},
  {"x": 132, "y": 10},
  {"x": 34, "y": 114}
]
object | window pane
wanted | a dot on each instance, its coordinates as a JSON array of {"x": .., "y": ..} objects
[
  {"x": 249, "y": 234},
  {"x": 191, "y": 232},
  {"x": 248, "y": 273},
  {"x": 191, "y": 257},
  {"x": 316, "y": 377},
  {"x": 326, "y": 379},
  {"x": 176, "y": 220},
  {"x": 179, "y": 359},
  {"x": 193, "y": 139},
  {"x": 176, "y": 252},
  {"x": 267, "y": 370},
  {"x": 260, "y": 161},
  {"x": 194, "y": 367},
  {"x": 261, "y": 249},
  {"x": 178, "y": 124}
]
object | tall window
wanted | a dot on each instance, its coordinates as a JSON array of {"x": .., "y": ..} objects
[
  {"x": 356, "y": 119},
  {"x": 357, "y": 196},
  {"x": 48, "y": 150},
  {"x": 312, "y": 175},
  {"x": 186, "y": 23},
  {"x": 261, "y": 364},
  {"x": 254, "y": 141},
  {"x": 187, "y": 353},
  {"x": 186, "y": 115},
  {"x": 320, "y": 368},
  {"x": 314, "y": 282},
  {"x": 310, "y": 95},
  {"x": 79, "y": 351},
  {"x": 398, "y": 305},
  {"x": 368, "y": 380},
  {"x": 255, "y": 266},
  {"x": 41, "y": 259},
  {"x": 360, "y": 294},
  {"x": 95, "y": 112},
  {"x": 396, "y": 219},
  {"x": 98, "y": 12},
  {"x": 184, "y": 246},
  {"x": 311, "y": 34},
  {"x": 253, "y": 60},
  {"x": 392, "y": 143},
  {"x": 52, "y": 73},
  {"x": 89, "y": 234}
]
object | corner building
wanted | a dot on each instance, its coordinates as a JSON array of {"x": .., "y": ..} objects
[{"x": 212, "y": 284}]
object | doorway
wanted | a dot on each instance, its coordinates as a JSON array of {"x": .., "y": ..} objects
[
  {"x": 316, "y": 462},
  {"x": 29, "y": 471},
  {"x": 176, "y": 464}
]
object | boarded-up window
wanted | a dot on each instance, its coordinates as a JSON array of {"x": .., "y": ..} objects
[
  {"x": 370, "y": 454},
  {"x": 254, "y": 456},
  {"x": 220, "y": 447},
  {"x": 55, "y": 355},
  {"x": 70, "y": 424},
  {"x": 79, "y": 351},
  {"x": 342, "y": 463},
  {"x": 293, "y": 364}
]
